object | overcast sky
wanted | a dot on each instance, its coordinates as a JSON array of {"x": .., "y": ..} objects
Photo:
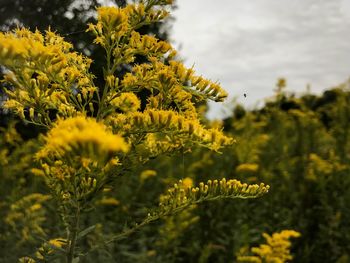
[{"x": 247, "y": 45}]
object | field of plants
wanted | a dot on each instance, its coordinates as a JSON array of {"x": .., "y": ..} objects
[{"x": 123, "y": 166}]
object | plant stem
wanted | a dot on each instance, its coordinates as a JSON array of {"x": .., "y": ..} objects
[{"x": 73, "y": 236}]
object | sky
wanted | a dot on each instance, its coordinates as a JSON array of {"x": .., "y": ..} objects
[{"x": 248, "y": 45}]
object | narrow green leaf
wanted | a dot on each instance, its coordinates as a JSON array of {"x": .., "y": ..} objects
[{"x": 86, "y": 231}]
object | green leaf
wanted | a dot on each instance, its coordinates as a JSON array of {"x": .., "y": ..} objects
[{"x": 86, "y": 231}]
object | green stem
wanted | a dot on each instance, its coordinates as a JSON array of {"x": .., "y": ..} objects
[
  {"x": 107, "y": 72},
  {"x": 73, "y": 233}
]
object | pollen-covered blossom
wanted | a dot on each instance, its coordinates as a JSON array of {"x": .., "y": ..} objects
[{"x": 81, "y": 136}]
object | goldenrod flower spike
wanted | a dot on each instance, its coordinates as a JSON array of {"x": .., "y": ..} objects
[
  {"x": 169, "y": 122},
  {"x": 81, "y": 136},
  {"x": 183, "y": 194}
]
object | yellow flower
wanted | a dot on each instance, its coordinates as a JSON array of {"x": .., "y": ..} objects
[
  {"x": 147, "y": 174},
  {"x": 81, "y": 136},
  {"x": 109, "y": 201},
  {"x": 48, "y": 247},
  {"x": 127, "y": 102},
  {"x": 26, "y": 260},
  {"x": 57, "y": 70},
  {"x": 276, "y": 249},
  {"x": 170, "y": 122},
  {"x": 112, "y": 17},
  {"x": 187, "y": 182},
  {"x": 247, "y": 168},
  {"x": 57, "y": 242}
]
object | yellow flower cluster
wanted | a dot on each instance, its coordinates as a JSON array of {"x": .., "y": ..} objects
[
  {"x": 58, "y": 170},
  {"x": 170, "y": 123},
  {"x": 81, "y": 136},
  {"x": 183, "y": 195},
  {"x": 27, "y": 216},
  {"x": 276, "y": 249},
  {"x": 155, "y": 144},
  {"x": 117, "y": 23},
  {"x": 49, "y": 247},
  {"x": 126, "y": 102},
  {"x": 317, "y": 165},
  {"x": 187, "y": 182},
  {"x": 147, "y": 12},
  {"x": 149, "y": 46},
  {"x": 165, "y": 78},
  {"x": 45, "y": 73},
  {"x": 112, "y": 25}
]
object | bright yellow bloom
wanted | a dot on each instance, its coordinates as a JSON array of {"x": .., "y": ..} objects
[
  {"x": 112, "y": 17},
  {"x": 148, "y": 45},
  {"x": 187, "y": 182},
  {"x": 43, "y": 71},
  {"x": 127, "y": 102},
  {"x": 81, "y": 136},
  {"x": 181, "y": 195},
  {"x": 26, "y": 260},
  {"x": 57, "y": 242},
  {"x": 169, "y": 122},
  {"x": 48, "y": 247},
  {"x": 113, "y": 23}
]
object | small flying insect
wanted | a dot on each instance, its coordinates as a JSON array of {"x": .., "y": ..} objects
[{"x": 245, "y": 95}]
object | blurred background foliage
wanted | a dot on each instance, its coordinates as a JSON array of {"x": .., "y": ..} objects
[{"x": 300, "y": 146}]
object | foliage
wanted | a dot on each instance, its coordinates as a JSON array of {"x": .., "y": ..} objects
[
  {"x": 97, "y": 136},
  {"x": 299, "y": 146},
  {"x": 130, "y": 147}
]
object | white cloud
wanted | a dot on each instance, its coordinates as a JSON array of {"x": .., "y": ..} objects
[{"x": 247, "y": 45}]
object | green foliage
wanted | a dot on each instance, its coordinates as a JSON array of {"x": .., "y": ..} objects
[
  {"x": 298, "y": 147},
  {"x": 95, "y": 135},
  {"x": 94, "y": 194}
]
